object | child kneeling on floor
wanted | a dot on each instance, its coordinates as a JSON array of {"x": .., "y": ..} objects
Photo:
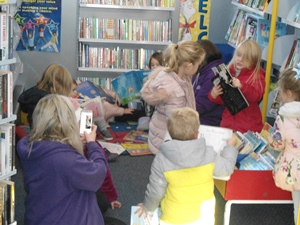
[{"x": 181, "y": 179}]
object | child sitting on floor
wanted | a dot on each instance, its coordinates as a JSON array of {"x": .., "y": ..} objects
[
  {"x": 183, "y": 167},
  {"x": 108, "y": 110}
]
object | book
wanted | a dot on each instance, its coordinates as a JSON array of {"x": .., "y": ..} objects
[
  {"x": 263, "y": 31},
  {"x": 129, "y": 84},
  {"x": 152, "y": 218},
  {"x": 10, "y": 200},
  {"x": 232, "y": 97},
  {"x": 136, "y": 135},
  {"x": 87, "y": 89},
  {"x": 137, "y": 149},
  {"x": 253, "y": 162},
  {"x": 113, "y": 148},
  {"x": 215, "y": 136},
  {"x": 3, "y": 205}
]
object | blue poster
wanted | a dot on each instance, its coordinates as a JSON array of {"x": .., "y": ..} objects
[{"x": 39, "y": 22}]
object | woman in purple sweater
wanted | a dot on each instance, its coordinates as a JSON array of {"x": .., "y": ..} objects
[
  {"x": 209, "y": 112},
  {"x": 60, "y": 181}
]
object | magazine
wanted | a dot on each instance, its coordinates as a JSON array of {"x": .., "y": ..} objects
[
  {"x": 128, "y": 85},
  {"x": 136, "y": 135},
  {"x": 232, "y": 97}
]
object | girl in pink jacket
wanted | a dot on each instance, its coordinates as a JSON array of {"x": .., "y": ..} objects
[
  {"x": 170, "y": 87},
  {"x": 286, "y": 136}
]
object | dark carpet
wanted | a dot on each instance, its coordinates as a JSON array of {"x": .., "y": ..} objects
[{"x": 131, "y": 177}]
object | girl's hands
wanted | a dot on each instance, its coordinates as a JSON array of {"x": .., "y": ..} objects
[
  {"x": 216, "y": 91},
  {"x": 128, "y": 111},
  {"x": 116, "y": 204},
  {"x": 91, "y": 136},
  {"x": 236, "y": 83}
]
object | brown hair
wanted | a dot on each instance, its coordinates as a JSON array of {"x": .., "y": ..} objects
[
  {"x": 212, "y": 53},
  {"x": 158, "y": 56},
  {"x": 288, "y": 81},
  {"x": 56, "y": 79}
]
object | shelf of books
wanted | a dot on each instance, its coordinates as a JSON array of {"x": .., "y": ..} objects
[
  {"x": 113, "y": 38},
  {"x": 9, "y": 69}
]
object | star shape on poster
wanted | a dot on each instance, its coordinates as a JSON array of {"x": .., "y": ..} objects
[
  {"x": 52, "y": 25},
  {"x": 41, "y": 20},
  {"x": 29, "y": 25},
  {"x": 19, "y": 19}
]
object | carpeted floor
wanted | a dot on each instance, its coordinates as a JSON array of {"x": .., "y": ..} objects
[{"x": 131, "y": 176}]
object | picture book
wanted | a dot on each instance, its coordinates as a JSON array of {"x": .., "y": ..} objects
[
  {"x": 263, "y": 31},
  {"x": 215, "y": 136},
  {"x": 129, "y": 84},
  {"x": 136, "y": 135},
  {"x": 232, "y": 97},
  {"x": 253, "y": 162},
  {"x": 88, "y": 89},
  {"x": 137, "y": 149},
  {"x": 113, "y": 148},
  {"x": 152, "y": 218},
  {"x": 247, "y": 147}
]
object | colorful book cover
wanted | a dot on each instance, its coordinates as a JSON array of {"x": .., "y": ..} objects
[
  {"x": 128, "y": 85},
  {"x": 263, "y": 31},
  {"x": 137, "y": 149},
  {"x": 136, "y": 135},
  {"x": 88, "y": 89}
]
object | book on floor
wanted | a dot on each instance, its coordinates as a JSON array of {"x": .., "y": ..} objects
[
  {"x": 137, "y": 149},
  {"x": 232, "y": 97}
]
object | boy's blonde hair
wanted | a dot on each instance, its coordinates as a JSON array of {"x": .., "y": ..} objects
[
  {"x": 56, "y": 79},
  {"x": 251, "y": 57},
  {"x": 54, "y": 120},
  {"x": 183, "y": 124},
  {"x": 177, "y": 54},
  {"x": 288, "y": 81}
]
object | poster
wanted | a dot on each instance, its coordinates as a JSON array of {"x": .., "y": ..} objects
[
  {"x": 39, "y": 22},
  {"x": 194, "y": 19}
]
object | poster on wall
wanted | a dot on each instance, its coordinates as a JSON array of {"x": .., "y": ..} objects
[
  {"x": 39, "y": 22},
  {"x": 194, "y": 19}
]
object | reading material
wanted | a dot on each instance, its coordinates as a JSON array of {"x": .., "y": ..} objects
[
  {"x": 152, "y": 218},
  {"x": 137, "y": 149},
  {"x": 232, "y": 97}
]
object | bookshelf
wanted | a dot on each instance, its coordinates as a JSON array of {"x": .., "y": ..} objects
[
  {"x": 10, "y": 67},
  {"x": 120, "y": 42}
]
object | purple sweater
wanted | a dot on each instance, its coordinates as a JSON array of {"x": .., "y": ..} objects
[
  {"x": 210, "y": 113},
  {"x": 61, "y": 183}
]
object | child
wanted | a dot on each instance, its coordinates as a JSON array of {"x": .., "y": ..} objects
[
  {"x": 58, "y": 178},
  {"x": 56, "y": 79},
  {"x": 156, "y": 60},
  {"x": 211, "y": 113},
  {"x": 286, "y": 136},
  {"x": 181, "y": 179},
  {"x": 171, "y": 87},
  {"x": 110, "y": 110},
  {"x": 249, "y": 77}
]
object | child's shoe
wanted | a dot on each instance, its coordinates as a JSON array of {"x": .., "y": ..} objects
[
  {"x": 110, "y": 156},
  {"x": 106, "y": 134}
]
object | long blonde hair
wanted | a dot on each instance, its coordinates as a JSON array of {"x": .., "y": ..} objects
[
  {"x": 56, "y": 79},
  {"x": 251, "y": 56},
  {"x": 54, "y": 119},
  {"x": 177, "y": 54}
]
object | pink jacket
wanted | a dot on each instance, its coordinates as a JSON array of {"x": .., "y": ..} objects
[
  {"x": 165, "y": 91},
  {"x": 112, "y": 110},
  {"x": 286, "y": 138}
]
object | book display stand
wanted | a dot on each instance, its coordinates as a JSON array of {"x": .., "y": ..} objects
[{"x": 260, "y": 189}]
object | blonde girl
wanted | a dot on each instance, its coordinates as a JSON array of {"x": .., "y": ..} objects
[
  {"x": 286, "y": 136},
  {"x": 249, "y": 77},
  {"x": 170, "y": 87},
  {"x": 52, "y": 159}
]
